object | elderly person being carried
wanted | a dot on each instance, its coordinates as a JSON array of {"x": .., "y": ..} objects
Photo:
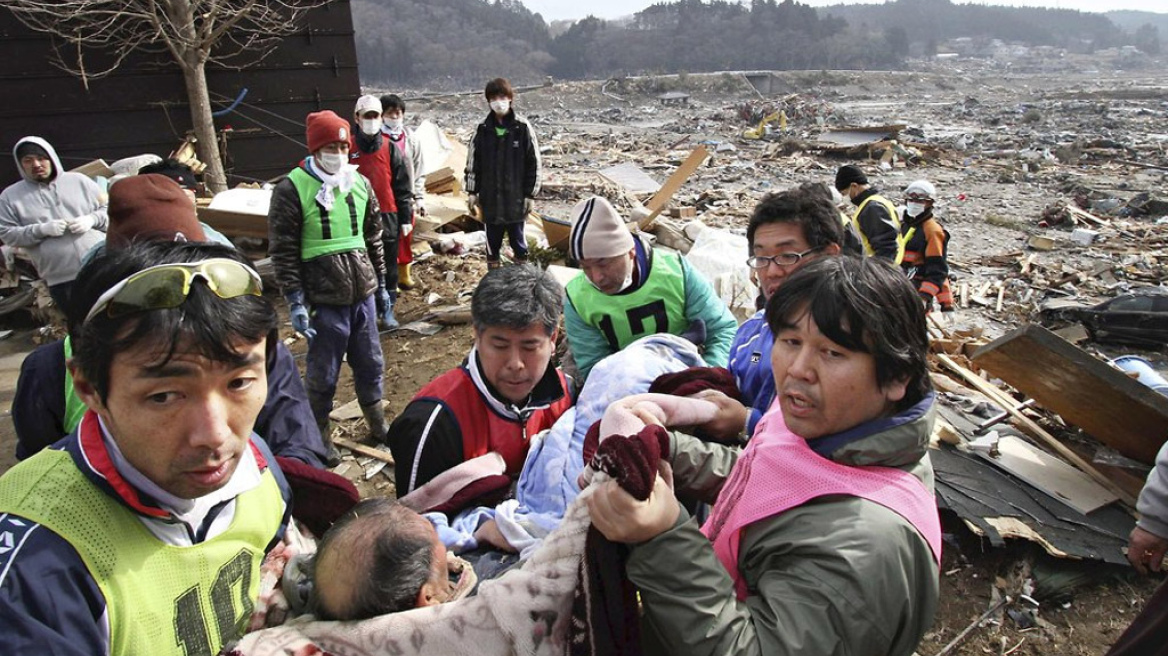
[{"x": 382, "y": 557}]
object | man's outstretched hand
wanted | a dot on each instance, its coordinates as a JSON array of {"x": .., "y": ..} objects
[{"x": 621, "y": 518}]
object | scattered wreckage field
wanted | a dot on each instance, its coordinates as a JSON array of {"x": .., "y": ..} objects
[{"x": 1051, "y": 186}]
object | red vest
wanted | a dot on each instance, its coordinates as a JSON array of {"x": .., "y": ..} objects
[
  {"x": 483, "y": 428},
  {"x": 376, "y": 166}
]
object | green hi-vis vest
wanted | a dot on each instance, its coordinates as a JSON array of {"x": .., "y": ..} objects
[
  {"x": 342, "y": 230},
  {"x": 895, "y": 221},
  {"x": 74, "y": 407},
  {"x": 657, "y": 307},
  {"x": 160, "y": 599}
]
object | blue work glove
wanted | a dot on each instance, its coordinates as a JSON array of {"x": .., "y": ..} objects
[
  {"x": 385, "y": 309},
  {"x": 299, "y": 315}
]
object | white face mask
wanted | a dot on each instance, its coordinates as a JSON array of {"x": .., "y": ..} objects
[
  {"x": 914, "y": 209},
  {"x": 331, "y": 162},
  {"x": 393, "y": 124},
  {"x": 370, "y": 126},
  {"x": 501, "y": 107}
]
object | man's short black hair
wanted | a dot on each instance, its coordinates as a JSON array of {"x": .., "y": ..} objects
[
  {"x": 847, "y": 174},
  {"x": 392, "y": 101},
  {"x": 31, "y": 148},
  {"x": 385, "y": 540},
  {"x": 865, "y": 305},
  {"x": 804, "y": 206},
  {"x": 205, "y": 323},
  {"x": 175, "y": 170}
]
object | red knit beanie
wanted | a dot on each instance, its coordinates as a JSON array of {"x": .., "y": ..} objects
[
  {"x": 325, "y": 128},
  {"x": 150, "y": 207}
]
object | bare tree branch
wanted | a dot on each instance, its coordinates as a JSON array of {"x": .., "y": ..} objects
[{"x": 191, "y": 32}]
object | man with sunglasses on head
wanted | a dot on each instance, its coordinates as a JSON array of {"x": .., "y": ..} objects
[
  {"x": 143, "y": 532},
  {"x": 786, "y": 231},
  {"x": 324, "y": 236}
]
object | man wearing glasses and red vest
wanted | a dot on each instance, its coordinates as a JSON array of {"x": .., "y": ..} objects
[{"x": 143, "y": 532}]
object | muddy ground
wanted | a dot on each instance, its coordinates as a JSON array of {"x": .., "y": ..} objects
[{"x": 991, "y": 130}]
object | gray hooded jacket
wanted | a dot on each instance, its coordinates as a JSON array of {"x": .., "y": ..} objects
[
  {"x": 1153, "y": 502},
  {"x": 28, "y": 207}
]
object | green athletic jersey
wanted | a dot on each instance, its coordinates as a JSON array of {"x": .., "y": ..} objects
[
  {"x": 160, "y": 599},
  {"x": 342, "y": 230},
  {"x": 625, "y": 318}
]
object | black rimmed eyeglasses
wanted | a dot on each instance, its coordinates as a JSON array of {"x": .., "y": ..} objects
[{"x": 782, "y": 259}]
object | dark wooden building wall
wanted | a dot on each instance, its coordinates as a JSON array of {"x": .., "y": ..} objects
[{"x": 142, "y": 107}]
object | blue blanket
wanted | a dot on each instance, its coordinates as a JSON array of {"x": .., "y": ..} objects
[{"x": 547, "y": 483}]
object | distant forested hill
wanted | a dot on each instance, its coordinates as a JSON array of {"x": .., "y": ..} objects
[
  {"x": 462, "y": 43},
  {"x": 449, "y": 43},
  {"x": 1130, "y": 21},
  {"x": 940, "y": 20}
]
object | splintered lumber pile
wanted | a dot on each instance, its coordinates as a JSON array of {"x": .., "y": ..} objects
[{"x": 443, "y": 181}]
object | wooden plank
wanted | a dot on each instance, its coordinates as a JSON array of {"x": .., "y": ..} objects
[
  {"x": 235, "y": 224},
  {"x": 1049, "y": 474},
  {"x": 1032, "y": 428},
  {"x": 675, "y": 181},
  {"x": 364, "y": 450},
  {"x": 1085, "y": 391},
  {"x": 95, "y": 168}
]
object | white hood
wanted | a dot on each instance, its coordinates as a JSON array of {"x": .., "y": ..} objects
[{"x": 48, "y": 149}]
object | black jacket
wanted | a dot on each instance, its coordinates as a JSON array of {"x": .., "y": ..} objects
[
  {"x": 877, "y": 225},
  {"x": 503, "y": 171}
]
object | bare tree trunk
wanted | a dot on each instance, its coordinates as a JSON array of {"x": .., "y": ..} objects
[{"x": 208, "y": 146}]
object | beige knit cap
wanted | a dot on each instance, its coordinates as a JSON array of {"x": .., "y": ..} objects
[{"x": 598, "y": 231}]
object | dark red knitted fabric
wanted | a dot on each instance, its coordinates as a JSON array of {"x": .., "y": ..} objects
[
  {"x": 319, "y": 496},
  {"x": 697, "y": 379},
  {"x": 604, "y": 608}
]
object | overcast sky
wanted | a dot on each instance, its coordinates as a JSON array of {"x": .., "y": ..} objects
[{"x": 558, "y": 9}]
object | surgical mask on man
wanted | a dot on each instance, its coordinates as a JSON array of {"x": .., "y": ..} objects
[
  {"x": 370, "y": 126},
  {"x": 501, "y": 106},
  {"x": 331, "y": 163},
  {"x": 628, "y": 282},
  {"x": 915, "y": 209},
  {"x": 393, "y": 124}
]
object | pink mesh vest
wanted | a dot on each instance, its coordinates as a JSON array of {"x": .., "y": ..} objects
[{"x": 782, "y": 472}]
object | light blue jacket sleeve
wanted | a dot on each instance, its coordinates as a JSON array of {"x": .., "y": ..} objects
[
  {"x": 702, "y": 303},
  {"x": 587, "y": 342}
]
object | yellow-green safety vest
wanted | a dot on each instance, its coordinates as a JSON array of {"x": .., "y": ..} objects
[
  {"x": 868, "y": 250},
  {"x": 160, "y": 598},
  {"x": 342, "y": 229},
  {"x": 658, "y": 306}
]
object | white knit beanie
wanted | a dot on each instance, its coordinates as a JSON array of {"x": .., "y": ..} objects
[{"x": 598, "y": 231}]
